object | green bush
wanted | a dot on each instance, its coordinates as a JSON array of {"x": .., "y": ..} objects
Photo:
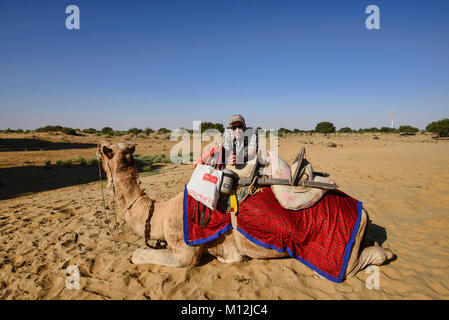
[
  {"x": 49, "y": 129},
  {"x": 47, "y": 164},
  {"x": 148, "y": 131},
  {"x": 107, "y": 130},
  {"x": 325, "y": 127},
  {"x": 90, "y": 130},
  {"x": 59, "y": 163},
  {"x": 81, "y": 161},
  {"x": 67, "y": 163},
  {"x": 408, "y": 129},
  {"x": 210, "y": 125},
  {"x": 92, "y": 161},
  {"x": 68, "y": 131},
  {"x": 440, "y": 128},
  {"x": 345, "y": 130},
  {"x": 148, "y": 160},
  {"x": 387, "y": 130},
  {"x": 134, "y": 131},
  {"x": 163, "y": 130}
]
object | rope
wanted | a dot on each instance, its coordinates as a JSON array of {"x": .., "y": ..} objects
[{"x": 104, "y": 205}]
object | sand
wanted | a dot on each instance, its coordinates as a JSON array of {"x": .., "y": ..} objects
[{"x": 402, "y": 181}]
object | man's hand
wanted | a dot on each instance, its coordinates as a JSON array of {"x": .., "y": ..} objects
[{"x": 232, "y": 159}]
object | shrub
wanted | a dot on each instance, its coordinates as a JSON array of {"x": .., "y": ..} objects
[
  {"x": 90, "y": 130},
  {"x": 331, "y": 145},
  {"x": 68, "y": 131},
  {"x": 47, "y": 164},
  {"x": 283, "y": 131},
  {"x": 81, "y": 161},
  {"x": 49, "y": 129},
  {"x": 19, "y": 131},
  {"x": 440, "y": 128},
  {"x": 325, "y": 127},
  {"x": 67, "y": 163},
  {"x": 408, "y": 129},
  {"x": 148, "y": 131},
  {"x": 59, "y": 163},
  {"x": 345, "y": 130},
  {"x": 387, "y": 130},
  {"x": 146, "y": 168},
  {"x": 91, "y": 161},
  {"x": 134, "y": 131},
  {"x": 163, "y": 130},
  {"x": 210, "y": 125},
  {"x": 107, "y": 130},
  {"x": 148, "y": 160}
]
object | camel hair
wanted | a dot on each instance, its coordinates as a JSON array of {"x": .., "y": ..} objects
[{"x": 167, "y": 223}]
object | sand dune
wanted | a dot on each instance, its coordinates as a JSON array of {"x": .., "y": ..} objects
[{"x": 402, "y": 181}]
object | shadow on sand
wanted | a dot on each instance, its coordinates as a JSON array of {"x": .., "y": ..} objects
[
  {"x": 37, "y": 145},
  {"x": 17, "y": 181}
]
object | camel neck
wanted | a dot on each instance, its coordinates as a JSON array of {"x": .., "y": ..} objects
[{"x": 127, "y": 188}]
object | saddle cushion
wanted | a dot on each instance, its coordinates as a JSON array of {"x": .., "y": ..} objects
[{"x": 321, "y": 236}]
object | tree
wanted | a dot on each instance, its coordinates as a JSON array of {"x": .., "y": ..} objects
[
  {"x": 325, "y": 127},
  {"x": 210, "y": 125},
  {"x": 387, "y": 129},
  {"x": 107, "y": 130},
  {"x": 68, "y": 131},
  {"x": 134, "y": 131},
  {"x": 440, "y": 128},
  {"x": 163, "y": 131},
  {"x": 148, "y": 131},
  {"x": 345, "y": 130}
]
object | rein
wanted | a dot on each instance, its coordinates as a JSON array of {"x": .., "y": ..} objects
[{"x": 160, "y": 244}]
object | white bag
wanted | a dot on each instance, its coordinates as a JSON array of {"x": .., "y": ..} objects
[{"x": 204, "y": 185}]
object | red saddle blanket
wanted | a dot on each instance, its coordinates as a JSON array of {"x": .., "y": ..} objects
[{"x": 321, "y": 236}]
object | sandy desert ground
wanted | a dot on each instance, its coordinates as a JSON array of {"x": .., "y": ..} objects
[{"x": 50, "y": 219}]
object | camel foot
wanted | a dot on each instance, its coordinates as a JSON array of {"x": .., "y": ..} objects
[
  {"x": 162, "y": 257},
  {"x": 374, "y": 255}
]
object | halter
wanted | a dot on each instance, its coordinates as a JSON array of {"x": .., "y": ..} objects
[{"x": 160, "y": 244}]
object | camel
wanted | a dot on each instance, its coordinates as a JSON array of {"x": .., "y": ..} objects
[{"x": 166, "y": 223}]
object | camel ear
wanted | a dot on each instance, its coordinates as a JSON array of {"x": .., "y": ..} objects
[
  {"x": 108, "y": 152},
  {"x": 131, "y": 148}
]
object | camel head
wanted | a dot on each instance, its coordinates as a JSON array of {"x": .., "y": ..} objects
[{"x": 117, "y": 159}]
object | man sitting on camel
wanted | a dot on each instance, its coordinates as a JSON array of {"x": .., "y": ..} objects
[{"x": 240, "y": 142}]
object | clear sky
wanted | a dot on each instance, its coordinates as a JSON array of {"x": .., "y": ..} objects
[{"x": 166, "y": 63}]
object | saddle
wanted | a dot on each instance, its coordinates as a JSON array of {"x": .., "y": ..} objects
[{"x": 297, "y": 194}]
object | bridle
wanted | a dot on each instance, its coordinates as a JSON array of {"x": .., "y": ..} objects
[{"x": 160, "y": 244}]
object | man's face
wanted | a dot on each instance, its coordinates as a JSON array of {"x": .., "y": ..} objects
[{"x": 237, "y": 129}]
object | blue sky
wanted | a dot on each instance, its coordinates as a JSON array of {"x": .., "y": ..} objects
[{"x": 279, "y": 63}]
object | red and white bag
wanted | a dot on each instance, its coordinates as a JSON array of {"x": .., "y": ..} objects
[{"x": 204, "y": 185}]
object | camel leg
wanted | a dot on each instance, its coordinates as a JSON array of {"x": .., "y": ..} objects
[
  {"x": 374, "y": 255},
  {"x": 181, "y": 257},
  {"x": 355, "y": 250},
  {"x": 161, "y": 257}
]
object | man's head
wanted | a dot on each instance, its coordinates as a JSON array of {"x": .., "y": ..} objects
[{"x": 237, "y": 125}]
